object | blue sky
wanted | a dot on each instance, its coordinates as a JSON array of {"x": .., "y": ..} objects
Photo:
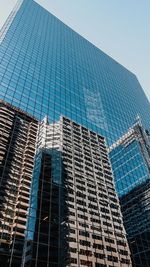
[{"x": 121, "y": 28}]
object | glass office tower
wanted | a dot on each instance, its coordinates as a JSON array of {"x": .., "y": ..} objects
[
  {"x": 47, "y": 68},
  {"x": 130, "y": 157}
]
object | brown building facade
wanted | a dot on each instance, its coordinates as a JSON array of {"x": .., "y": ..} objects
[{"x": 17, "y": 148}]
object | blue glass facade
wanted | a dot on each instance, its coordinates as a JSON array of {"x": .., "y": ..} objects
[
  {"x": 129, "y": 166},
  {"x": 130, "y": 157},
  {"x": 47, "y": 68}
]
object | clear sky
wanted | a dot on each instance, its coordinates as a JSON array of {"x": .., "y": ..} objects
[{"x": 121, "y": 28}]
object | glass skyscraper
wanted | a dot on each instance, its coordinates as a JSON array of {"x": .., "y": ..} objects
[
  {"x": 47, "y": 69},
  {"x": 130, "y": 157}
]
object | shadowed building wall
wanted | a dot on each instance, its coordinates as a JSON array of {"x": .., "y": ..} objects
[{"x": 17, "y": 147}]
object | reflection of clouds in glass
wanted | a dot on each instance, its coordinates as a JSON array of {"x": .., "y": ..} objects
[
  {"x": 94, "y": 108},
  {"x": 8, "y": 22}
]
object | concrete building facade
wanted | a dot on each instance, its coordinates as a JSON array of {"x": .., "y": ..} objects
[
  {"x": 87, "y": 229},
  {"x": 17, "y": 149}
]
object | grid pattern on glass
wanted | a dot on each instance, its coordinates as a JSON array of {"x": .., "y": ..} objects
[
  {"x": 47, "y": 68},
  {"x": 130, "y": 156},
  {"x": 130, "y": 159}
]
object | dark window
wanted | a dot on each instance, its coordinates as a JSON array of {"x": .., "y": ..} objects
[
  {"x": 85, "y": 252},
  {"x": 85, "y": 243},
  {"x": 83, "y": 233},
  {"x": 121, "y": 243},
  {"x": 126, "y": 261},
  {"x": 97, "y": 237},
  {"x": 112, "y": 258},
  {"x": 109, "y": 240},
  {"x": 110, "y": 249},
  {"x": 98, "y": 246},
  {"x": 100, "y": 265},
  {"x": 73, "y": 250},
  {"x": 86, "y": 263},
  {"x": 73, "y": 260},
  {"x": 99, "y": 256}
]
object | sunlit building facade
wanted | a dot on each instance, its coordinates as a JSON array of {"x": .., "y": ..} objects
[
  {"x": 74, "y": 216},
  {"x": 47, "y": 69},
  {"x": 59, "y": 207}
]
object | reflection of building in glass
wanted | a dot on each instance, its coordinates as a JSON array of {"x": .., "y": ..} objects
[
  {"x": 46, "y": 243},
  {"x": 75, "y": 217},
  {"x": 17, "y": 148},
  {"x": 58, "y": 202},
  {"x": 130, "y": 156},
  {"x": 47, "y": 68}
]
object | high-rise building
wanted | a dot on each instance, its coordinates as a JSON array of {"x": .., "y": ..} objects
[
  {"x": 17, "y": 149},
  {"x": 130, "y": 157},
  {"x": 74, "y": 217},
  {"x": 59, "y": 207},
  {"x": 48, "y": 69}
]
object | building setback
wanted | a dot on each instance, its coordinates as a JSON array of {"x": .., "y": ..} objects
[
  {"x": 17, "y": 149},
  {"x": 75, "y": 217},
  {"x": 130, "y": 156}
]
